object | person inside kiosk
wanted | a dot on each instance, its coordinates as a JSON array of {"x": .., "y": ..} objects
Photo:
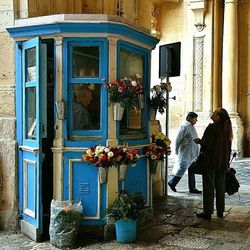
[{"x": 82, "y": 98}]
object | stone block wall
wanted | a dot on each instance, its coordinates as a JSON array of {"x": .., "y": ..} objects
[{"x": 8, "y": 162}]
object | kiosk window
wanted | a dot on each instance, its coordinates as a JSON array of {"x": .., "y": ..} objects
[
  {"x": 86, "y": 106},
  {"x": 85, "y": 61},
  {"x": 30, "y": 113},
  {"x": 131, "y": 63},
  {"x": 30, "y": 58}
]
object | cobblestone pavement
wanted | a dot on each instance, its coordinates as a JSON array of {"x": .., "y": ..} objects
[{"x": 173, "y": 224}]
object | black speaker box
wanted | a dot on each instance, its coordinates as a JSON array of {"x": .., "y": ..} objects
[{"x": 169, "y": 59}]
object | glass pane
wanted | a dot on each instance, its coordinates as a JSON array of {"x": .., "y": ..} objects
[
  {"x": 86, "y": 61},
  {"x": 30, "y": 114},
  {"x": 86, "y": 106},
  {"x": 30, "y": 65},
  {"x": 130, "y": 65}
]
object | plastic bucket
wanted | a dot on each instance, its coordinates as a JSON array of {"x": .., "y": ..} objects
[{"x": 126, "y": 231}]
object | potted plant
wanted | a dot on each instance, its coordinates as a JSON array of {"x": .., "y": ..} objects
[
  {"x": 123, "y": 156},
  {"x": 158, "y": 101},
  {"x": 125, "y": 210},
  {"x": 123, "y": 93},
  {"x": 102, "y": 157}
]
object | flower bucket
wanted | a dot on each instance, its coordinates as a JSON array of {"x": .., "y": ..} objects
[
  {"x": 152, "y": 114},
  {"x": 118, "y": 111},
  {"x": 103, "y": 175},
  {"x": 140, "y": 101},
  {"x": 153, "y": 166},
  {"x": 122, "y": 172},
  {"x": 126, "y": 231}
]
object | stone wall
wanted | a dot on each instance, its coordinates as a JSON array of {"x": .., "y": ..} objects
[{"x": 8, "y": 163}]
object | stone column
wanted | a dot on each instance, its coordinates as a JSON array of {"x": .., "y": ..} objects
[
  {"x": 58, "y": 143},
  {"x": 230, "y": 57},
  {"x": 230, "y": 71}
]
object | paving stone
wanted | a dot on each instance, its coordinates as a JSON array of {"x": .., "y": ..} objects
[
  {"x": 173, "y": 224},
  {"x": 186, "y": 242}
]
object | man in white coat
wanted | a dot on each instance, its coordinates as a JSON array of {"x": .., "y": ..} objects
[{"x": 186, "y": 150}]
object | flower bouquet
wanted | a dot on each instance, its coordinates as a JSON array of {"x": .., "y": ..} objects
[
  {"x": 99, "y": 155},
  {"x": 158, "y": 101},
  {"x": 161, "y": 140},
  {"x": 125, "y": 92},
  {"x": 102, "y": 157},
  {"x": 122, "y": 157},
  {"x": 155, "y": 153}
]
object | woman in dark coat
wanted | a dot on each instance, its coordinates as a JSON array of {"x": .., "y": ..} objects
[{"x": 216, "y": 143}]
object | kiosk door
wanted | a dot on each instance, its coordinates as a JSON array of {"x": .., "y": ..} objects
[{"x": 30, "y": 152}]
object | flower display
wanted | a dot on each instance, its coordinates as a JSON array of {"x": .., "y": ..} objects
[
  {"x": 154, "y": 152},
  {"x": 159, "y": 148},
  {"x": 125, "y": 91},
  {"x": 125, "y": 155},
  {"x": 161, "y": 139},
  {"x": 108, "y": 156},
  {"x": 99, "y": 155},
  {"x": 158, "y": 99}
]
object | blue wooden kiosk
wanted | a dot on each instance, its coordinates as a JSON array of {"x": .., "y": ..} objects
[{"x": 56, "y": 55}]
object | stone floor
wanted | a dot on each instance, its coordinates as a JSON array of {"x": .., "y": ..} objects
[{"x": 174, "y": 225}]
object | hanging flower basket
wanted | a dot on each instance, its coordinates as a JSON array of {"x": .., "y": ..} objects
[
  {"x": 122, "y": 172},
  {"x": 103, "y": 175},
  {"x": 118, "y": 111},
  {"x": 153, "y": 166}
]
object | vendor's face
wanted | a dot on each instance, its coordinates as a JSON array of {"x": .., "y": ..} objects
[{"x": 85, "y": 96}]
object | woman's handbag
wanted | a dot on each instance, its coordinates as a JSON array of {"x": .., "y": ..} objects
[
  {"x": 199, "y": 164},
  {"x": 231, "y": 183}
]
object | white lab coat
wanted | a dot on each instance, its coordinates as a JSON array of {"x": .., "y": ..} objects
[{"x": 185, "y": 148}]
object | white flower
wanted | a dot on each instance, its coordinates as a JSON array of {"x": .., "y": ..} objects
[
  {"x": 134, "y": 83},
  {"x": 169, "y": 87},
  {"x": 101, "y": 149},
  {"x": 153, "y": 157},
  {"x": 106, "y": 150},
  {"x": 110, "y": 154}
]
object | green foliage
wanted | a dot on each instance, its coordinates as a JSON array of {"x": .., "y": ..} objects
[{"x": 127, "y": 206}]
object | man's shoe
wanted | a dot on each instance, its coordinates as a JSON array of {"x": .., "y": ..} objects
[
  {"x": 195, "y": 191},
  {"x": 172, "y": 187},
  {"x": 220, "y": 214},
  {"x": 204, "y": 216}
]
